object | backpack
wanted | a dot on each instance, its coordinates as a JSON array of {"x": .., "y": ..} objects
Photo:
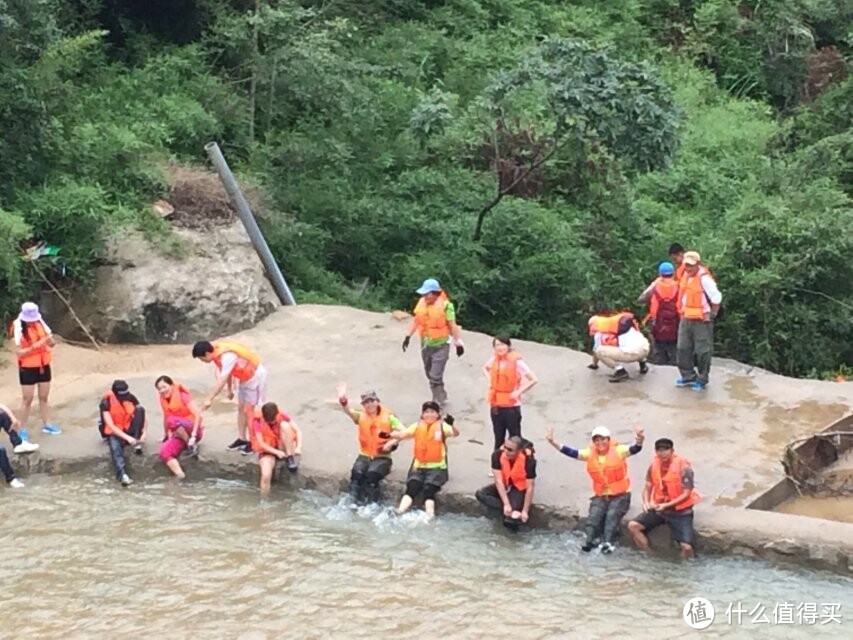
[{"x": 665, "y": 327}]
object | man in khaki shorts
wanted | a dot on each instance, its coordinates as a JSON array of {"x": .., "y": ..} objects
[
  {"x": 617, "y": 341},
  {"x": 235, "y": 361}
]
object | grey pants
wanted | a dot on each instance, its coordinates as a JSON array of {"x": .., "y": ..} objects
[
  {"x": 695, "y": 344},
  {"x": 435, "y": 360},
  {"x": 664, "y": 353},
  {"x": 605, "y": 514}
]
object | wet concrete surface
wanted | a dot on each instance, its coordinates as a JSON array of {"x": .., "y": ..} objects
[{"x": 734, "y": 433}]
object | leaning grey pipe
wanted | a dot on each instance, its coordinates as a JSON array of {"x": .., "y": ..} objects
[{"x": 248, "y": 220}]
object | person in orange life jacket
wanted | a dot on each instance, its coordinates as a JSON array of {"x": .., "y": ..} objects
[
  {"x": 676, "y": 257},
  {"x": 508, "y": 377},
  {"x": 514, "y": 471},
  {"x": 616, "y": 341},
  {"x": 428, "y": 472},
  {"x": 122, "y": 422},
  {"x": 9, "y": 424},
  {"x": 235, "y": 361},
  {"x": 181, "y": 423},
  {"x": 7, "y": 421},
  {"x": 34, "y": 341},
  {"x": 375, "y": 424},
  {"x": 699, "y": 302},
  {"x": 435, "y": 321},
  {"x": 662, "y": 298},
  {"x": 668, "y": 498},
  {"x": 275, "y": 437},
  {"x": 606, "y": 465}
]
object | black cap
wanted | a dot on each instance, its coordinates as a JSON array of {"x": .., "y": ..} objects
[
  {"x": 430, "y": 404},
  {"x": 120, "y": 388},
  {"x": 663, "y": 443}
]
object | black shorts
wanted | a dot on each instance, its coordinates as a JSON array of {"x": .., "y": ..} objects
[
  {"x": 680, "y": 525},
  {"x": 29, "y": 376},
  {"x": 435, "y": 477}
]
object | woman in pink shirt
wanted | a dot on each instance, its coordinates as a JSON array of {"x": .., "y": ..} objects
[
  {"x": 509, "y": 377},
  {"x": 181, "y": 423}
]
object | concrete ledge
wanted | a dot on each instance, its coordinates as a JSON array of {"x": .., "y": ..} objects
[{"x": 790, "y": 539}]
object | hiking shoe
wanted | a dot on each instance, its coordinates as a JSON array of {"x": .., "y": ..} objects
[
  {"x": 292, "y": 465},
  {"x": 607, "y": 548},
  {"x": 237, "y": 445},
  {"x": 246, "y": 449},
  {"x": 16, "y": 484},
  {"x": 26, "y": 447},
  {"x": 644, "y": 368},
  {"x": 587, "y": 546},
  {"x": 137, "y": 449},
  {"x": 619, "y": 375},
  {"x": 125, "y": 480},
  {"x": 698, "y": 386},
  {"x": 51, "y": 429},
  {"x": 684, "y": 382}
]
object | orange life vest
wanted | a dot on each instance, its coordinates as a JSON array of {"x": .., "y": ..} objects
[
  {"x": 241, "y": 372},
  {"x": 269, "y": 433},
  {"x": 610, "y": 477},
  {"x": 175, "y": 405},
  {"x": 504, "y": 380},
  {"x": 368, "y": 432},
  {"x": 429, "y": 442},
  {"x": 692, "y": 301},
  {"x": 609, "y": 323},
  {"x": 120, "y": 411},
  {"x": 667, "y": 486},
  {"x": 665, "y": 290},
  {"x": 40, "y": 357},
  {"x": 679, "y": 271},
  {"x": 431, "y": 319},
  {"x": 515, "y": 472}
]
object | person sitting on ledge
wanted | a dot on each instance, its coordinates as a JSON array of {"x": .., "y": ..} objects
[
  {"x": 274, "y": 436},
  {"x": 181, "y": 423},
  {"x": 122, "y": 422},
  {"x": 514, "y": 471},
  {"x": 428, "y": 472}
]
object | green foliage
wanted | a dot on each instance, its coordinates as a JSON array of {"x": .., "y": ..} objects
[{"x": 587, "y": 136}]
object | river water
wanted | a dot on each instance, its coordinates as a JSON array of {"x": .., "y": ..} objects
[{"x": 84, "y": 558}]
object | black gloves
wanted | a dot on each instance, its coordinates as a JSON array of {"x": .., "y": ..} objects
[
  {"x": 449, "y": 420},
  {"x": 406, "y": 343},
  {"x": 459, "y": 350}
]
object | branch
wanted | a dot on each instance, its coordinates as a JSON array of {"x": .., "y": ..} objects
[
  {"x": 537, "y": 162},
  {"x": 68, "y": 305}
]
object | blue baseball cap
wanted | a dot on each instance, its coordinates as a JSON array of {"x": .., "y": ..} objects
[
  {"x": 666, "y": 269},
  {"x": 430, "y": 285}
]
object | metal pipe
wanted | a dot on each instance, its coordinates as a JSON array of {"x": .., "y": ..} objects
[{"x": 249, "y": 222}]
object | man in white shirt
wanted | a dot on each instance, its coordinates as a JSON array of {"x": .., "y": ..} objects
[
  {"x": 699, "y": 302},
  {"x": 628, "y": 344}
]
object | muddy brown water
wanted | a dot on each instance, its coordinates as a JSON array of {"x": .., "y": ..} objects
[
  {"x": 829, "y": 508},
  {"x": 84, "y": 558}
]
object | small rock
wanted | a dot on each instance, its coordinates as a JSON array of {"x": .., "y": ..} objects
[
  {"x": 400, "y": 315},
  {"x": 163, "y": 208}
]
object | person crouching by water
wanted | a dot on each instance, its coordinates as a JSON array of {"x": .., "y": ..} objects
[
  {"x": 668, "y": 498},
  {"x": 122, "y": 422},
  {"x": 428, "y": 472},
  {"x": 375, "y": 424},
  {"x": 606, "y": 466},
  {"x": 509, "y": 377},
  {"x": 617, "y": 340},
  {"x": 274, "y": 436},
  {"x": 181, "y": 423},
  {"x": 514, "y": 470}
]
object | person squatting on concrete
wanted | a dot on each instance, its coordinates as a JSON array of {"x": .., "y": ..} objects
[
  {"x": 7, "y": 422},
  {"x": 34, "y": 341},
  {"x": 375, "y": 424},
  {"x": 428, "y": 472},
  {"x": 274, "y": 436},
  {"x": 182, "y": 428},
  {"x": 122, "y": 422},
  {"x": 435, "y": 321},
  {"x": 699, "y": 302},
  {"x": 668, "y": 498},
  {"x": 235, "y": 361},
  {"x": 514, "y": 471},
  {"x": 509, "y": 377},
  {"x": 617, "y": 340},
  {"x": 662, "y": 299},
  {"x": 607, "y": 468}
]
